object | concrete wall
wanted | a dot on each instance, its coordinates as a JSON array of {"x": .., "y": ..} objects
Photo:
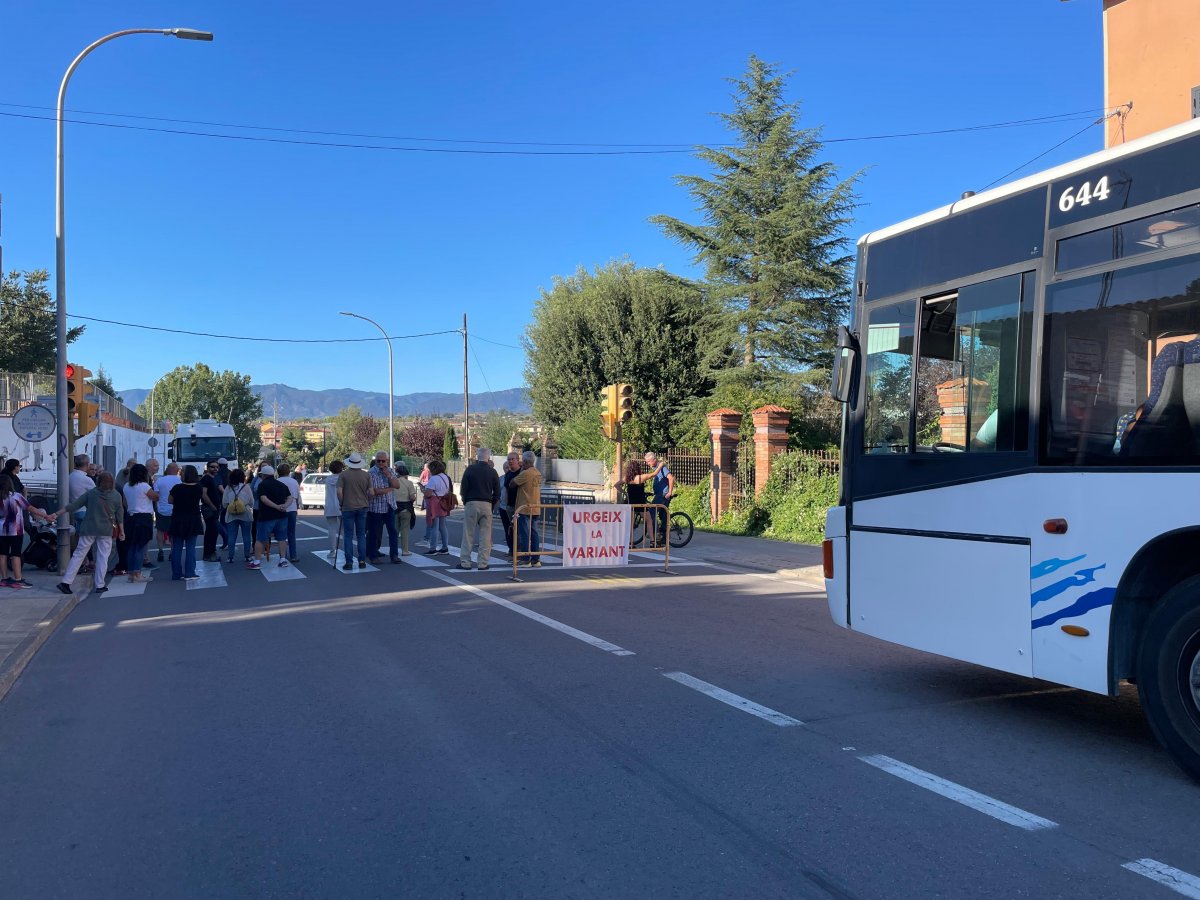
[{"x": 1151, "y": 57}]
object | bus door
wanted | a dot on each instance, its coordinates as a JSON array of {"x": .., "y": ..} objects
[{"x": 938, "y": 560}]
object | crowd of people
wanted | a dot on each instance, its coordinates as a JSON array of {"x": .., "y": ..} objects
[{"x": 120, "y": 521}]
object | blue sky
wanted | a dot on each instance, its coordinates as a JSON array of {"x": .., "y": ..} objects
[{"x": 271, "y": 239}]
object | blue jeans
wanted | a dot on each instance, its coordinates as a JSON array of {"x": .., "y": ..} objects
[
  {"x": 376, "y": 522},
  {"x": 528, "y": 537},
  {"x": 438, "y": 528},
  {"x": 659, "y": 518},
  {"x": 354, "y": 523},
  {"x": 185, "y": 547},
  {"x": 232, "y": 526},
  {"x": 291, "y": 535}
]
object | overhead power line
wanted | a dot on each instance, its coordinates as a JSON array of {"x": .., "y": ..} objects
[
  {"x": 1122, "y": 111},
  {"x": 264, "y": 340},
  {"x": 476, "y": 337},
  {"x": 231, "y": 337},
  {"x": 605, "y": 149}
]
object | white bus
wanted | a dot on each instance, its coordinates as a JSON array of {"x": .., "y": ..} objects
[
  {"x": 196, "y": 443},
  {"x": 1021, "y": 450}
]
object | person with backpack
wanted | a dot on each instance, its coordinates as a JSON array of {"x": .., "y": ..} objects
[
  {"x": 238, "y": 503},
  {"x": 439, "y": 501}
]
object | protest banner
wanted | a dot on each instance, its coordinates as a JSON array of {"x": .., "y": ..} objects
[{"x": 596, "y": 535}]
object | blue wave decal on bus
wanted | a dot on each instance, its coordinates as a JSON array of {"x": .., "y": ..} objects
[
  {"x": 1082, "y": 577},
  {"x": 1086, "y": 603},
  {"x": 1052, "y": 565}
]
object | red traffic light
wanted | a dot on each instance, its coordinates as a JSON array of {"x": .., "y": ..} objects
[{"x": 70, "y": 371}]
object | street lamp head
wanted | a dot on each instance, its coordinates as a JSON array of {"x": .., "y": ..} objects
[{"x": 190, "y": 34}]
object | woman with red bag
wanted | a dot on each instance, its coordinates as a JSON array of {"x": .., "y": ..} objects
[{"x": 436, "y": 489}]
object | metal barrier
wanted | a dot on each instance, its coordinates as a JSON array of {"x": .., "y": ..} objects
[{"x": 541, "y": 519}]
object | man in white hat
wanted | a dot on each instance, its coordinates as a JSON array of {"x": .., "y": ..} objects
[{"x": 353, "y": 492}]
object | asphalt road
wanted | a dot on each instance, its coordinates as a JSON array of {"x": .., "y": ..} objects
[{"x": 425, "y": 732}]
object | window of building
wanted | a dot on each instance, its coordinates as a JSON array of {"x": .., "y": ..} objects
[{"x": 1121, "y": 370}]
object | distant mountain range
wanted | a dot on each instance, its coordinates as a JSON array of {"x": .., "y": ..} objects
[{"x": 295, "y": 403}]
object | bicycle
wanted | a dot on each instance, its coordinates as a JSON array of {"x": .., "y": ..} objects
[{"x": 679, "y": 532}]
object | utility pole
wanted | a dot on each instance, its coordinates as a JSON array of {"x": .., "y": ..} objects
[{"x": 466, "y": 402}]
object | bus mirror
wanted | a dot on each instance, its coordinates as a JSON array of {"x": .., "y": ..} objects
[{"x": 844, "y": 357}]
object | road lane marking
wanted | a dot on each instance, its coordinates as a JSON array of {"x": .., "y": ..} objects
[
  {"x": 959, "y": 794},
  {"x": 95, "y": 626},
  {"x": 276, "y": 572},
  {"x": 120, "y": 586},
  {"x": 1175, "y": 879},
  {"x": 323, "y": 555},
  {"x": 599, "y": 643},
  {"x": 737, "y": 702},
  {"x": 211, "y": 576}
]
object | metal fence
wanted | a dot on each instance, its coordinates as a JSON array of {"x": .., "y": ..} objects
[
  {"x": 689, "y": 468},
  {"x": 19, "y": 389},
  {"x": 742, "y": 490}
]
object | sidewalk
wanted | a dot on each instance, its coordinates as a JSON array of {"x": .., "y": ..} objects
[
  {"x": 28, "y": 618},
  {"x": 783, "y": 558}
]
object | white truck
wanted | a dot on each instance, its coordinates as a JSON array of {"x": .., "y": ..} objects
[{"x": 195, "y": 443}]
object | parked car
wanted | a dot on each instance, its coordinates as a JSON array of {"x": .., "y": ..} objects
[{"x": 312, "y": 491}]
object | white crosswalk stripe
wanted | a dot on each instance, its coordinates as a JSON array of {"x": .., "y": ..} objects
[
  {"x": 323, "y": 555},
  {"x": 211, "y": 576}
]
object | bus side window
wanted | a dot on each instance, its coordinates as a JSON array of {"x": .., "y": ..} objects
[
  {"x": 888, "y": 372},
  {"x": 972, "y": 367}
]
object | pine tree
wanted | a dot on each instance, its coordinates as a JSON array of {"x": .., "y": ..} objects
[{"x": 772, "y": 239}]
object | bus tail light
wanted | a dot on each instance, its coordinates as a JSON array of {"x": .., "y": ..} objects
[
  {"x": 1055, "y": 526},
  {"x": 827, "y": 557}
]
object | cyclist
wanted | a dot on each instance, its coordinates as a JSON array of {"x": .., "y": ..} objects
[{"x": 664, "y": 490}]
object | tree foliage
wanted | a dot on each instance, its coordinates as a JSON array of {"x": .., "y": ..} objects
[
  {"x": 658, "y": 332},
  {"x": 450, "y": 448},
  {"x": 772, "y": 238},
  {"x": 365, "y": 434},
  {"x": 422, "y": 440},
  {"x": 297, "y": 448},
  {"x": 497, "y": 432},
  {"x": 352, "y": 431},
  {"x": 102, "y": 380},
  {"x": 27, "y": 323},
  {"x": 187, "y": 393}
]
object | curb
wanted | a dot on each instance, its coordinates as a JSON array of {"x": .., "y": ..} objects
[
  {"x": 30, "y": 646},
  {"x": 810, "y": 575}
]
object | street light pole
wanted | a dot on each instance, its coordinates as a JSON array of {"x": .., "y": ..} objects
[
  {"x": 391, "y": 390},
  {"x": 60, "y": 279}
]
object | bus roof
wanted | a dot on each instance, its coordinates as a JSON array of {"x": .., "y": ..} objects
[{"x": 1077, "y": 165}]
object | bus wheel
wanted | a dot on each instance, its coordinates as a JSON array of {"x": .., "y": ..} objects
[{"x": 1168, "y": 673}]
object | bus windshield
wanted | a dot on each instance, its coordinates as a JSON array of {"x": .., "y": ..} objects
[{"x": 204, "y": 448}]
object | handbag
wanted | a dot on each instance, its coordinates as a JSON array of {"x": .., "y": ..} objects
[{"x": 116, "y": 529}]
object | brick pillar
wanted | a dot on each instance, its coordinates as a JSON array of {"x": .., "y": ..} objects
[
  {"x": 770, "y": 439},
  {"x": 723, "y": 426}
]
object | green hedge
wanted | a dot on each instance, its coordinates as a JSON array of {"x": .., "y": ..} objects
[{"x": 790, "y": 508}]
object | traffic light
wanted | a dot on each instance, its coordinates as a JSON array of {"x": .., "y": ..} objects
[
  {"x": 624, "y": 402},
  {"x": 608, "y": 411},
  {"x": 75, "y": 387},
  {"x": 89, "y": 417}
]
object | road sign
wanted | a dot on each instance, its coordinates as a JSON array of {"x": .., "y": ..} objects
[
  {"x": 153, "y": 442},
  {"x": 34, "y": 423}
]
